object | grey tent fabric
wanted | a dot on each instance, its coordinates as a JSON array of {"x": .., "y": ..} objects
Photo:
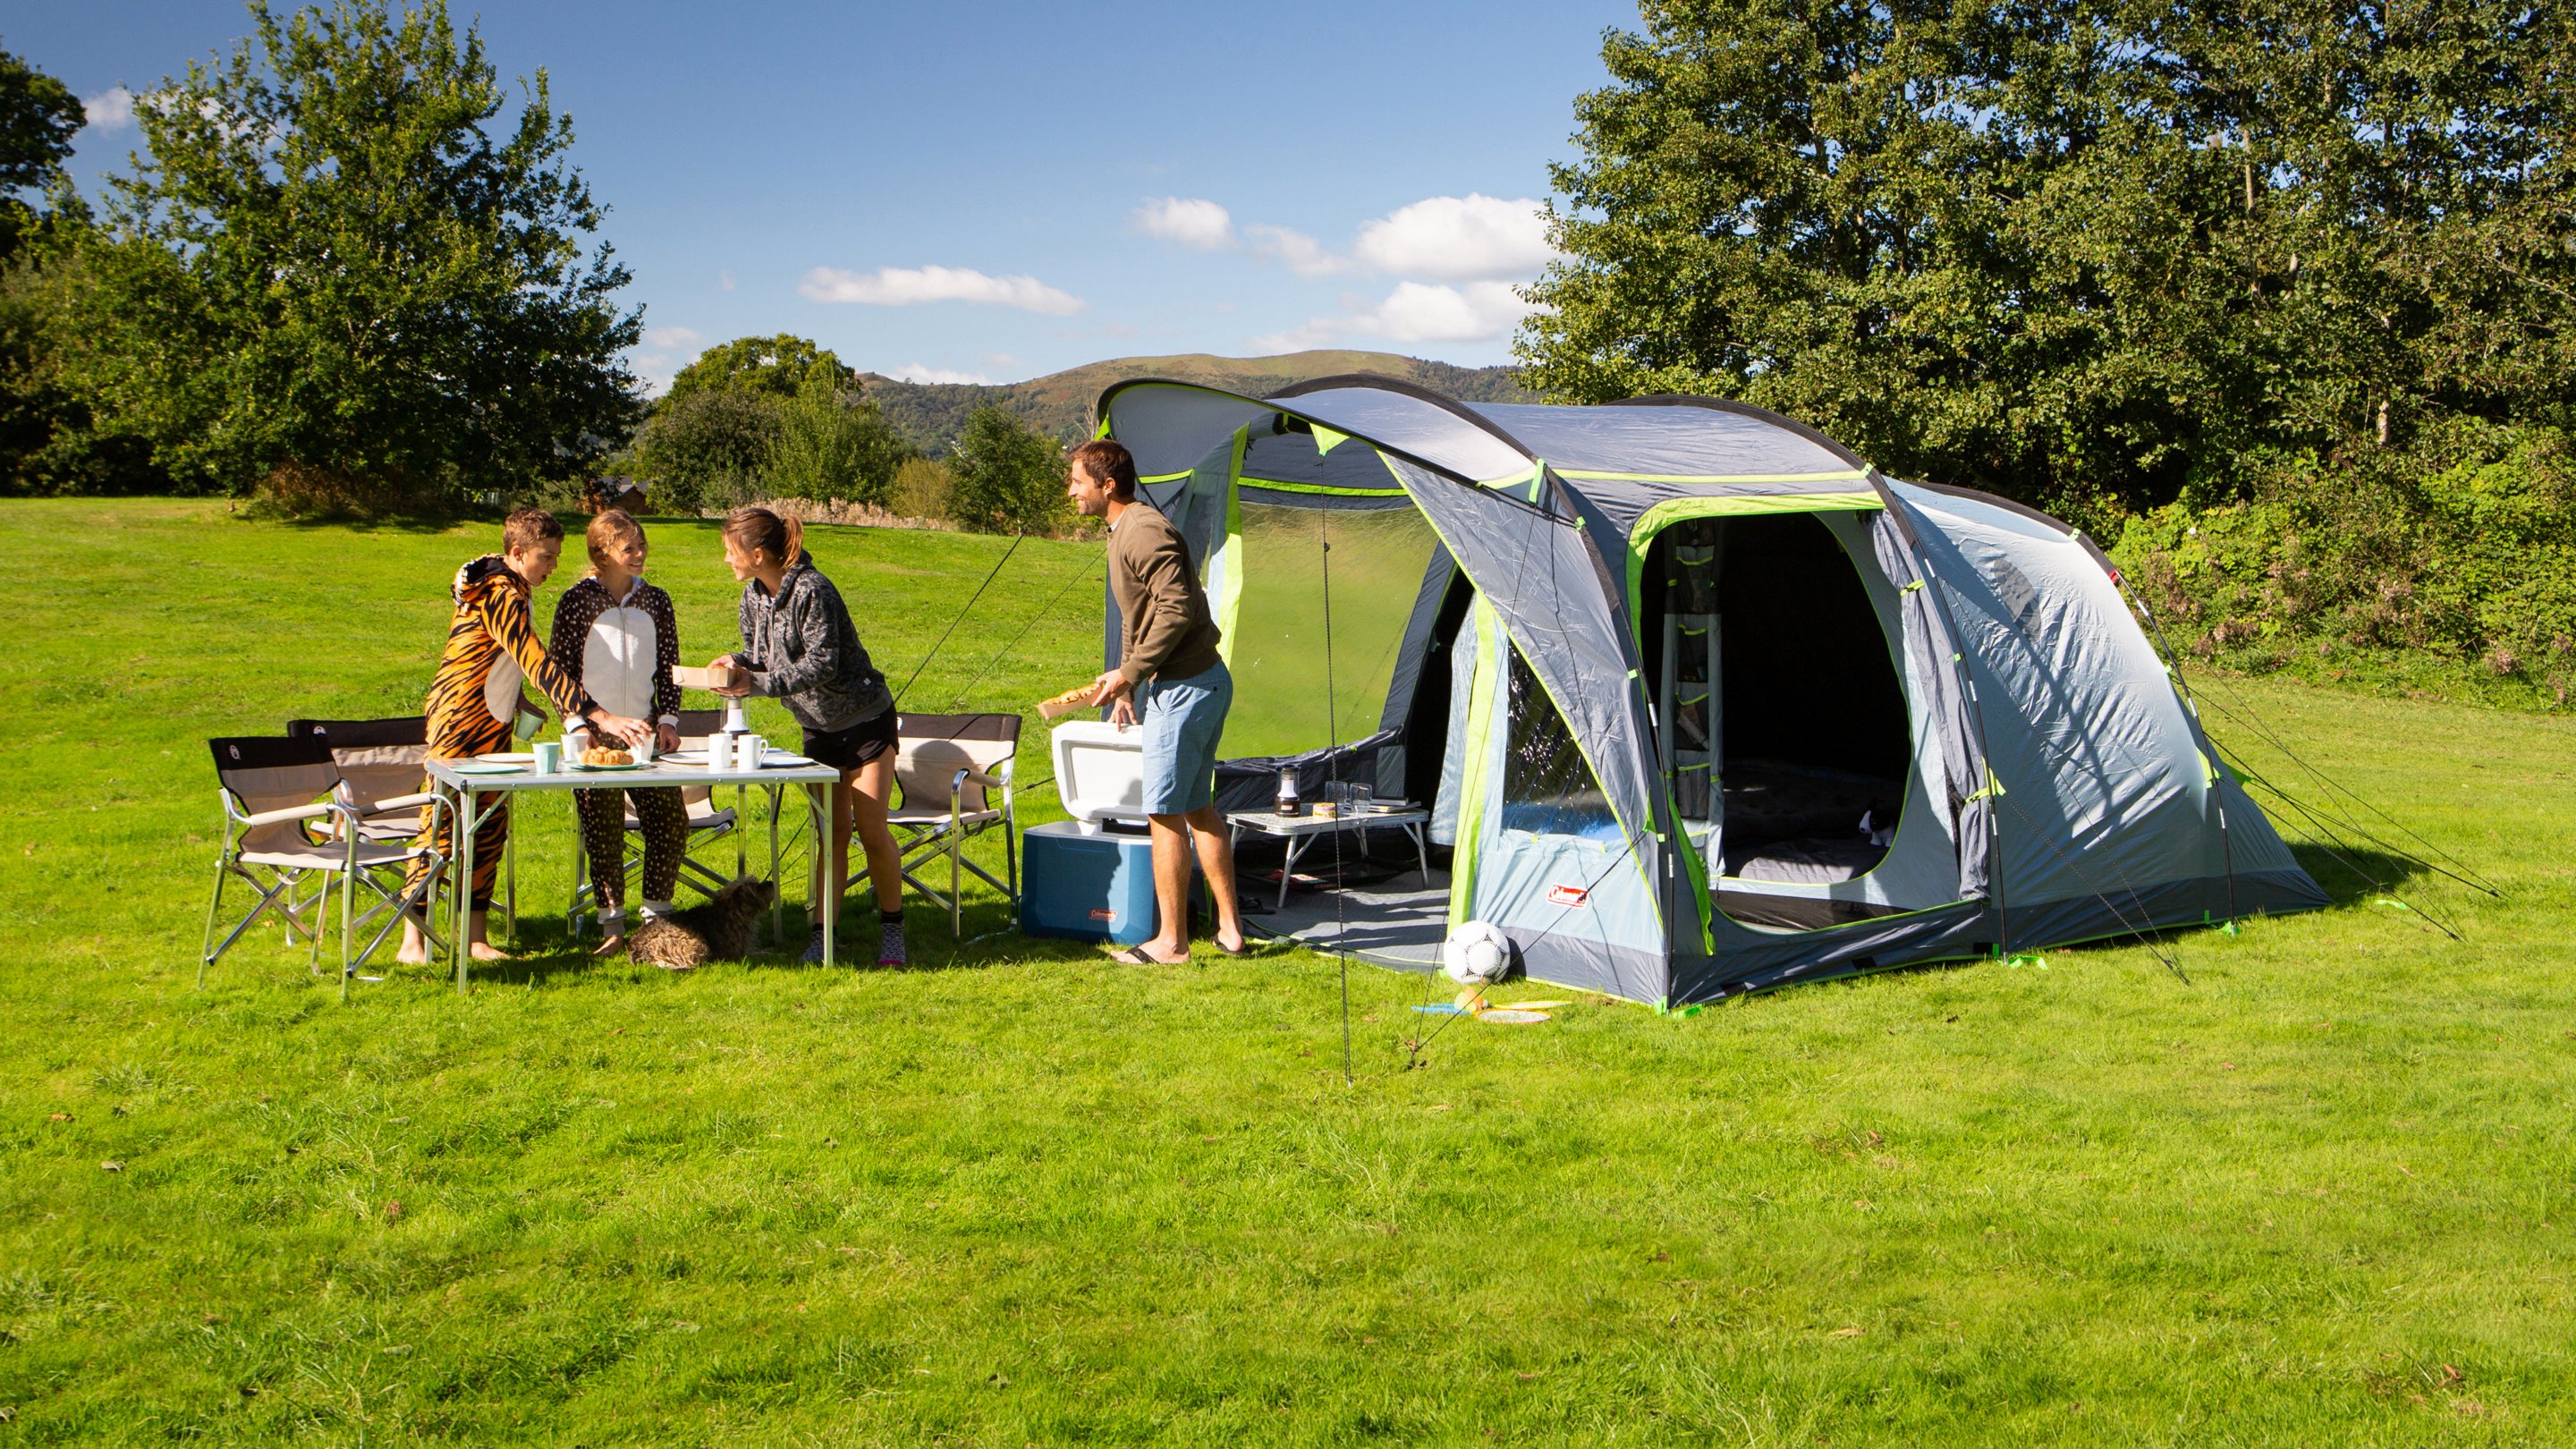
[
  {"x": 2071, "y": 786},
  {"x": 1540, "y": 575},
  {"x": 1665, "y": 442}
]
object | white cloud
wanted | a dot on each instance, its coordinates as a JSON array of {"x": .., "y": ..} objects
[
  {"x": 1457, "y": 238},
  {"x": 1203, "y": 225},
  {"x": 1414, "y": 312},
  {"x": 655, "y": 370},
  {"x": 725, "y": 280},
  {"x": 1296, "y": 251},
  {"x": 916, "y": 372},
  {"x": 674, "y": 338},
  {"x": 912, "y": 286},
  {"x": 109, "y": 110}
]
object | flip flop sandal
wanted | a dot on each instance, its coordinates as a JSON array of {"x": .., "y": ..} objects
[
  {"x": 1243, "y": 950},
  {"x": 1135, "y": 956}
]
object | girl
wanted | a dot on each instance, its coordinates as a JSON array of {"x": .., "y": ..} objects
[
  {"x": 617, "y": 636},
  {"x": 800, "y": 648}
]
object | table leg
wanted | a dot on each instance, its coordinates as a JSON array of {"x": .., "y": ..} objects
[
  {"x": 1288, "y": 868},
  {"x": 778, "y": 895},
  {"x": 821, "y": 804},
  {"x": 466, "y": 821},
  {"x": 1421, "y": 849}
]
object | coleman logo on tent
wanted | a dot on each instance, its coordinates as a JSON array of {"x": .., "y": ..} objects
[
  {"x": 1100, "y": 914},
  {"x": 1566, "y": 895}
]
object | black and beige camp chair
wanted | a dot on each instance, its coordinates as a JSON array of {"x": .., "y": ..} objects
[
  {"x": 379, "y": 760},
  {"x": 709, "y": 823},
  {"x": 949, "y": 767},
  {"x": 287, "y": 815}
]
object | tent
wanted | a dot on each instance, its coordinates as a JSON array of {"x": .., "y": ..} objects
[{"x": 1700, "y": 702}]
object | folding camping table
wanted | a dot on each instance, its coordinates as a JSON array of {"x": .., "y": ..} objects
[
  {"x": 468, "y": 790},
  {"x": 1301, "y": 831}
]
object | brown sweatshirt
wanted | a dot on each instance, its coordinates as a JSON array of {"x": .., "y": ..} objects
[{"x": 1162, "y": 612}]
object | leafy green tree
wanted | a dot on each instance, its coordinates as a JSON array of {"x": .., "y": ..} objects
[
  {"x": 710, "y": 449},
  {"x": 39, "y": 116},
  {"x": 775, "y": 367},
  {"x": 336, "y": 261},
  {"x": 1009, "y": 479},
  {"x": 834, "y": 444},
  {"x": 2094, "y": 255}
]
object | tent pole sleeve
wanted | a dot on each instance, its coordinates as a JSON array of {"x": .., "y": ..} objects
[{"x": 1478, "y": 779}]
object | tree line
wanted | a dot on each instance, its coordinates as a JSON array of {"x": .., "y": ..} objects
[
  {"x": 350, "y": 270},
  {"x": 2098, "y": 254}
]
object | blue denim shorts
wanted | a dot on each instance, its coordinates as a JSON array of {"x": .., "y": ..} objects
[{"x": 1183, "y": 719}]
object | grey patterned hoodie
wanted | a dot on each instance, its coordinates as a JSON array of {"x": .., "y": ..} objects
[{"x": 804, "y": 652}]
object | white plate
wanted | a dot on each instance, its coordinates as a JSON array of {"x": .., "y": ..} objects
[
  {"x": 487, "y": 767},
  {"x": 776, "y": 761},
  {"x": 508, "y": 759}
]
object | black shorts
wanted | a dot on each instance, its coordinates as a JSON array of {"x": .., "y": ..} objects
[{"x": 850, "y": 748}]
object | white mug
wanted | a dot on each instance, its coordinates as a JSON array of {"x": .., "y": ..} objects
[
  {"x": 749, "y": 751},
  {"x": 719, "y": 752}
]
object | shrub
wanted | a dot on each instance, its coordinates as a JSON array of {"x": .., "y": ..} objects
[
  {"x": 2459, "y": 556},
  {"x": 924, "y": 488},
  {"x": 1009, "y": 478}
]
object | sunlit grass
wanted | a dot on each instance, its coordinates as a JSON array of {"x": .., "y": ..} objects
[{"x": 2318, "y": 1195}]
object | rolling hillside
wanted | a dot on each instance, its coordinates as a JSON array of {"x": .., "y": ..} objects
[{"x": 1059, "y": 404}]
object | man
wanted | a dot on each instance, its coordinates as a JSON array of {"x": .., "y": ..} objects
[{"x": 1170, "y": 673}]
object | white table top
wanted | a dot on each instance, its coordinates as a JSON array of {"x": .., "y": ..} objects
[
  {"x": 1269, "y": 823},
  {"x": 525, "y": 777}
]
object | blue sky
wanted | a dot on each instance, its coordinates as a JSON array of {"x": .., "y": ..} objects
[{"x": 992, "y": 192}]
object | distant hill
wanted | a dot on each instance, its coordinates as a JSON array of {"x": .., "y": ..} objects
[{"x": 932, "y": 414}]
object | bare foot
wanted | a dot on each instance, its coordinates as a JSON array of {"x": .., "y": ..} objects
[
  {"x": 486, "y": 951},
  {"x": 1233, "y": 947},
  {"x": 613, "y": 946},
  {"x": 413, "y": 955},
  {"x": 1160, "y": 952}
]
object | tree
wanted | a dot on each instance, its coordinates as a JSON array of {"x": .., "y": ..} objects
[
  {"x": 775, "y": 367},
  {"x": 334, "y": 262},
  {"x": 2092, "y": 255},
  {"x": 834, "y": 444},
  {"x": 1009, "y": 479},
  {"x": 712, "y": 448},
  {"x": 39, "y": 116}
]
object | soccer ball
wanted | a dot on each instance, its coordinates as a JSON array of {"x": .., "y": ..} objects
[{"x": 1476, "y": 953}]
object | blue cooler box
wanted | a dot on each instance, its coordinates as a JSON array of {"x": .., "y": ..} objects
[{"x": 1089, "y": 887}]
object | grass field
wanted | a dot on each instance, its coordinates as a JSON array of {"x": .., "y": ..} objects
[{"x": 2321, "y": 1194}]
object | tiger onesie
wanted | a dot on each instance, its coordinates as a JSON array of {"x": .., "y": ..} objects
[{"x": 491, "y": 646}]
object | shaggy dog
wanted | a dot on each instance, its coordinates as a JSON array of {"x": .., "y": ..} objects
[{"x": 721, "y": 929}]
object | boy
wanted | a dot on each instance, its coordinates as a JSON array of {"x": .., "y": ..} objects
[{"x": 474, "y": 701}]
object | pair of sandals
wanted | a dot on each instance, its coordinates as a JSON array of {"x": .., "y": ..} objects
[{"x": 1135, "y": 955}]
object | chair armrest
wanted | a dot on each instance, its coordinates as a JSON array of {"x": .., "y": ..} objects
[
  {"x": 405, "y": 802},
  {"x": 989, "y": 782},
  {"x": 295, "y": 812}
]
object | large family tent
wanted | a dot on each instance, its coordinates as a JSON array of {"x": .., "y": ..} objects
[{"x": 1700, "y": 702}]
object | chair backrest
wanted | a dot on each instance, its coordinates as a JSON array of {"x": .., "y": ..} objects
[
  {"x": 932, "y": 748},
  {"x": 694, "y": 727},
  {"x": 697, "y": 724},
  {"x": 264, "y": 773},
  {"x": 378, "y": 758}
]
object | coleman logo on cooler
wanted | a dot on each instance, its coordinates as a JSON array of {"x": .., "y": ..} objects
[
  {"x": 1098, "y": 914},
  {"x": 1566, "y": 895}
]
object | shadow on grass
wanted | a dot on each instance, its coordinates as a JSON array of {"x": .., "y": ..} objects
[{"x": 2349, "y": 877}]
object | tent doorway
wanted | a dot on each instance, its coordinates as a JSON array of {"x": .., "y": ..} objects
[{"x": 1781, "y": 724}]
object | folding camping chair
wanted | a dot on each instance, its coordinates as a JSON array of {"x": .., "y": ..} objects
[
  {"x": 269, "y": 789},
  {"x": 379, "y": 760},
  {"x": 947, "y": 766},
  {"x": 708, "y": 824}
]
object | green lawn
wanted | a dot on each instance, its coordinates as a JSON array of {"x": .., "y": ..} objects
[{"x": 2321, "y": 1194}]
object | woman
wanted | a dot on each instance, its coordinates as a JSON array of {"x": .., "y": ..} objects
[
  {"x": 800, "y": 648},
  {"x": 617, "y": 636}
]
